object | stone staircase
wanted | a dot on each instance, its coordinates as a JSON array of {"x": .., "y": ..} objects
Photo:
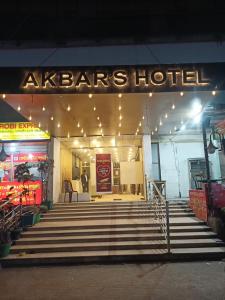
[{"x": 100, "y": 232}]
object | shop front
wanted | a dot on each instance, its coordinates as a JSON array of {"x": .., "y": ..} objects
[{"x": 113, "y": 127}]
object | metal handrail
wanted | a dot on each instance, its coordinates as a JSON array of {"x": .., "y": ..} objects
[{"x": 161, "y": 209}]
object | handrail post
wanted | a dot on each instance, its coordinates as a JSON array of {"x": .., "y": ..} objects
[{"x": 168, "y": 226}]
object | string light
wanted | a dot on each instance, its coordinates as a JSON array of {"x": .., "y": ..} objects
[
  {"x": 100, "y": 125},
  {"x": 98, "y": 118},
  {"x": 120, "y": 117},
  {"x": 140, "y": 124}
]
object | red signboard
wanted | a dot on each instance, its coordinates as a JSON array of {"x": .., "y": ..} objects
[
  {"x": 103, "y": 173},
  {"x": 34, "y": 195}
]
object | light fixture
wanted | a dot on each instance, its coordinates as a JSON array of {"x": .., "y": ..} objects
[
  {"x": 4, "y": 96},
  {"x": 68, "y": 135},
  {"x": 18, "y": 108},
  {"x": 140, "y": 124},
  {"x": 170, "y": 131},
  {"x": 43, "y": 108},
  {"x": 100, "y": 124},
  {"x": 52, "y": 118},
  {"x": 58, "y": 125},
  {"x": 160, "y": 123},
  {"x": 98, "y": 118},
  {"x": 150, "y": 94},
  {"x": 120, "y": 107},
  {"x": 85, "y": 135},
  {"x": 152, "y": 132},
  {"x": 175, "y": 127},
  {"x": 120, "y": 124},
  {"x": 82, "y": 130},
  {"x": 76, "y": 142},
  {"x": 68, "y": 108},
  {"x": 137, "y": 129},
  {"x": 94, "y": 108},
  {"x": 166, "y": 116},
  {"x": 173, "y": 106},
  {"x": 182, "y": 94},
  {"x": 90, "y": 96},
  {"x": 120, "y": 117},
  {"x": 181, "y": 122},
  {"x": 78, "y": 124},
  {"x": 102, "y": 134},
  {"x": 39, "y": 124},
  {"x": 118, "y": 133},
  {"x": 30, "y": 117},
  {"x": 120, "y": 95},
  {"x": 214, "y": 93},
  {"x": 136, "y": 133},
  {"x": 183, "y": 127},
  {"x": 156, "y": 129}
]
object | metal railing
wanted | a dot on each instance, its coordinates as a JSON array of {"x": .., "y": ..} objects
[
  {"x": 160, "y": 206},
  {"x": 10, "y": 214}
]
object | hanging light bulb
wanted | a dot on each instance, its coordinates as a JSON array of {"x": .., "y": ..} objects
[
  {"x": 100, "y": 125},
  {"x": 214, "y": 93},
  {"x": 98, "y": 118},
  {"x": 120, "y": 117},
  {"x": 120, "y": 124},
  {"x": 118, "y": 133},
  {"x": 170, "y": 131},
  {"x": 152, "y": 132},
  {"x": 39, "y": 124},
  {"x": 85, "y": 135},
  {"x": 160, "y": 123},
  {"x": 156, "y": 129},
  {"x": 82, "y": 130}
]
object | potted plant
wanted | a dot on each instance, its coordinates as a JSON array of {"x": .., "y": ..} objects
[
  {"x": 5, "y": 242},
  {"x": 44, "y": 168}
]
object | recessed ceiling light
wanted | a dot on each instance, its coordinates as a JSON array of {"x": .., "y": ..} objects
[
  {"x": 68, "y": 108},
  {"x": 58, "y": 125},
  {"x": 90, "y": 95},
  {"x": 94, "y": 108},
  {"x": 120, "y": 107},
  {"x": 68, "y": 135},
  {"x": 30, "y": 117},
  {"x": 78, "y": 124},
  {"x": 19, "y": 108},
  {"x": 182, "y": 94},
  {"x": 43, "y": 108},
  {"x": 150, "y": 94},
  {"x": 213, "y": 93},
  {"x": 4, "y": 96},
  {"x": 120, "y": 95},
  {"x": 52, "y": 118},
  {"x": 166, "y": 116},
  {"x": 173, "y": 106},
  {"x": 143, "y": 117}
]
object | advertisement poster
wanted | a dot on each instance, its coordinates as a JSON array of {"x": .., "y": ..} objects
[
  {"x": 34, "y": 195},
  {"x": 103, "y": 173}
]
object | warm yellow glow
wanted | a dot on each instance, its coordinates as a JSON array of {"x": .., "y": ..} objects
[
  {"x": 78, "y": 124},
  {"x": 120, "y": 107},
  {"x": 19, "y": 108},
  {"x": 58, "y": 125},
  {"x": 120, "y": 124},
  {"x": 43, "y": 108},
  {"x": 76, "y": 142},
  {"x": 98, "y": 118},
  {"x": 82, "y": 130},
  {"x": 52, "y": 118},
  {"x": 143, "y": 117},
  {"x": 4, "y": 96},
  {"x": 30, "y": 117},
  {"x": 100, "y": 124},
  {"x": 94, "y": 108},
  {"x": 120, "y": 117},
  {"x": 68, "y": 108},
  {"x": 68, "y": 135},
  {"x": 90, "y": 96},
  {"x": 120, "y": 95},
  {"x": 137, "y": 129},
  {"x": 85, "y": 134},
  {"x": 140, "y": 124},
  {"x": 39, "y": 124},
  {"x": 113, "y": 142},
  {"x": 150, "y": 94},
  {"x": 118, "y": 133}
]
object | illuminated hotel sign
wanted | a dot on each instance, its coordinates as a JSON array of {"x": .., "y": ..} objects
[
  {"x": 21, "y": 131},
  {"x": 115, "y": 79}
]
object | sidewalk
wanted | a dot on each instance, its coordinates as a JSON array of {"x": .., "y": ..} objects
[{"x": 156, "y": 281}]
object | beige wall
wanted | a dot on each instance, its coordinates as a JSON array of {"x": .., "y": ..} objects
[{"x": 66, "y": 164}]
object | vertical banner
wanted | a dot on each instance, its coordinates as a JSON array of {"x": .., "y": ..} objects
[{"x": 103, "y": 173}]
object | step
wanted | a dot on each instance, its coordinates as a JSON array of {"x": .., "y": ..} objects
[
  {"x": 112, "y": 223},
  {"x": 91, "y": 212},
  {"x": 113, "y": 216},
  {"x": 140, "y": 236},
  {"x": 113, "y": 256},
  {"x": 102, "y": 231},
  {"x": 70, "y": 247}
]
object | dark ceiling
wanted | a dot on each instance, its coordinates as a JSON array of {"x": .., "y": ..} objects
[{"x": 66, "y": 23}]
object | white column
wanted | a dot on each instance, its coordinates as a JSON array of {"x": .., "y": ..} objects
[
  {"x": 147, "y": 155},
  {"x": 54, "y": 185}
]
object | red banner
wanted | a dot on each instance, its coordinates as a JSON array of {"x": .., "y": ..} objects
[
  {"x": 34, "y": 195},
  {"x": 103, "y": 173}
]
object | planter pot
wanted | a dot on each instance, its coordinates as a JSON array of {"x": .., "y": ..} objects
[
  {"x": 27, "y": 220},
  {"x": 15, "y": 234},
  {"x": 4, "y": 249},
  {"x": 37, "y": 218}
]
